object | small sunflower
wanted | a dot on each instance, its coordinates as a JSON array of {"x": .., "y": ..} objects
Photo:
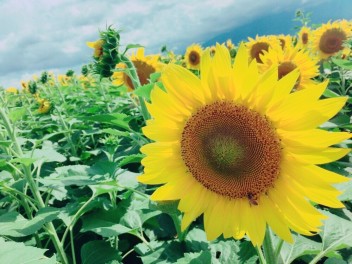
[
  {"x": 285, "y": 41},
  {"x": 44, "y": 106},
  {"x": 12, "y": 90},
  {"x": 145, "y": 66},
  {"x": 258, "y": 45},
  {"x": 239, "y": 148},
  {"x": 288, "y": 60},
  {"x": 192, "y": 56},
  {"x": 304, "y": 37},
  {"x": 229, "y": 44},
  {"x": 330, "y": 37},
  {"x": 97, "y": 46}
]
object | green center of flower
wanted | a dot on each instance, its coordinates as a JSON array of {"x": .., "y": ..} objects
[
  {"x": 231, "y": 150},
  {"x": 223, "y": 152}
]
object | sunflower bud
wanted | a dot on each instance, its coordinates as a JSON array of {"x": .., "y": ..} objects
[
  {"x": 109, "y": 56},
  {"x": 32, "y": 85}
]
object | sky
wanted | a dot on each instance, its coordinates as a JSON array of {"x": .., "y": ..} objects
[{"x": 51, "y": 35}]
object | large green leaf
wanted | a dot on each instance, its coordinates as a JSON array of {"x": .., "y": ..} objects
[
  {"x": 15, "y": 225},
  {"x": 18, "y": 253},
  {"x": 203, "y": 257},
  {"x": 335, "y": 235},
  {"x": 345, "y": 64},
  {"x": 115, "y": 119},
  {"x": 48, "y": 153},
  {"x": 231, "y": 251},
  {"x": 98, "y": 251},
  {"x": 71, "y": 175}
]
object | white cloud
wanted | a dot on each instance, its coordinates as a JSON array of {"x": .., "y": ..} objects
[{"x": 38, "y": 35}]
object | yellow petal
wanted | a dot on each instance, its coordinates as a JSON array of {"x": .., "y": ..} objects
[
  {"x": 313, "y": 138},
  {"x": 313, "y": 156}
]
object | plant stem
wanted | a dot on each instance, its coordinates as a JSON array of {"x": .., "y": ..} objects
[
  {"x": 261, "y": 256},
  {"x": 268, "y": 248},
  {"x": 136, "y": 83},
  {"x": 32, "y": 185}
]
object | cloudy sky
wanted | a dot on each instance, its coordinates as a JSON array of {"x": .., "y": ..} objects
[{"x": 38, "y": 35}]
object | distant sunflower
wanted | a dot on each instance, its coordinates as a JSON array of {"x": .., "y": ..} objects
[
  {"x": 44, "y": 106},
  {"x": 239, "y": 148},
  {"x": 304, "y": 37},
  {"x": 285, "y": 41},
  {"x": 193, "y": 56},
  {"x": 229, "y": 44},
  {"x": 12, "y": 90},
  {"x": 288, "y": 60},
  {"x": 258, "y": 45},
  {"x": 330, "y": 37},
  {"x": 145, "y": 66},
  {"x": 97, "y": 46}
]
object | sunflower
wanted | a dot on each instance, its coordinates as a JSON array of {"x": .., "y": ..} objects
[
  {"x": 258, "y": 45},
  {"x": 285, "y": 61},
  {"x": 97, "y": 46},
  {"x": 330, "y": 37},
  {"x": 12, "y": 90},
  {"x": 145, "y": 66},
  {"x": 44, "y": 106},
  {"x": 235, "y": 147},
  {"x": 285, "y": 41},
  {"x": 229, "y": 44},
  {"x": 192, "y": 56},
  {"x": 304, "y": 37}
]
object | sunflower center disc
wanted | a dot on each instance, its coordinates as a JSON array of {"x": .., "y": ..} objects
[
  {"x": 194, "y": 58},
  {"x": 331, "y": 41},
  {"x": 231, "y": 150},
  {"x": 258, "y": 49},
  {"x": 144, "y": 70}
]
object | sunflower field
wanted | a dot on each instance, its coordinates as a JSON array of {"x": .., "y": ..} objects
[{"x": 233, "y": 153}]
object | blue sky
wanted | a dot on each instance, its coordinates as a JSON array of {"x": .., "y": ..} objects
[{"x": 38, "y": 35}]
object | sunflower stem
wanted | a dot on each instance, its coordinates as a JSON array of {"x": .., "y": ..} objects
[
  {"x": 136, "y": 83},
  {"x": 177, "y": 222},
  {"x": 260, "y": 255},
  {"x": 268, "y": 248}
]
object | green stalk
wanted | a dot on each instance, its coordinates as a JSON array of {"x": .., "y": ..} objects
[
  {"x": 260, "y": 255},
  {"x": 32, "y": 185},
  {"x": 136, "y": 83},
  {"x": 268, "y": 248}
]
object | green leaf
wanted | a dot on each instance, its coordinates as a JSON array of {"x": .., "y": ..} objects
[
  {"x": 132, "y": 46},
  {"x": 116, "y": 119},
  {"x": 48, "y": 153},
  {"x": 134, "y": 158},
  {"x": 144, "y": 91},
  {"x": 18, "y": 253},
  {"x": 104, "y": 187},
  {"x": 196, "y": 240},
  {"x": 115, "y": 132},
  {"x": 24, "y": 161},
  {"x": 128, "y": 179},
  {"x": 196, "y": 258},
  {"x": 98, "y": 252},
  {"x": 71, "y": 175},
  {"x": 17, "y": 114},
  {"x": 302, "y": 246},
  {"x": 335, "y": 235},
  {"x": 15, "y": 225},
  {"x": 345, "y": 64},
  {"x": 231, "y": 251},
  {"x": 165, "y": 252},
  {"x": 105, "y": 222},
  {"x": 346, "y": 187}
]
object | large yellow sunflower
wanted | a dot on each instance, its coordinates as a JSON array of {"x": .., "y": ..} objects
[
  {"x": 145, "y": 66},
  {"x": 193, "y": 56},
  {"x": 285, "y": 61},
  {"x": 330, "y": 37},
  {"x": 241, "y": 149},
  {"x": 258, "y": 45}
]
